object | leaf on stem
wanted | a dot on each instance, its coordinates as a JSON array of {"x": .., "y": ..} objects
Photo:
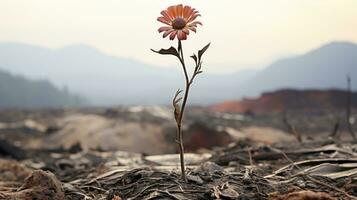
[
  {"x": 169, "y": 51},
  {"x": 175, "y": 103},
  {"x": 194, "y": 57},
  {"x": 202, "y": 51}
]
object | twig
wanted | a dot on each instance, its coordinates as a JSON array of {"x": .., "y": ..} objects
[
  {"x": 250, "y": 157},
  {"x": 170, "y": 195},
  {"x": 317, "y": 181},
  {"x": 292, "y": 128},
  {"x": 348, "y": 111},
  {"x": 334, "y": 132}
]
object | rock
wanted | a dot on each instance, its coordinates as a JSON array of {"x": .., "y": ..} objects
[
  {"x": 225, "y": 191},
  {"x": 200, "y": 136},
  {"x": 209, "y": 167},
  {"x": 116, "y": 198},
  {"x": 229, "y": 193},
  {"x": 12, "y": 171},
  {"x": 301, "y": 195},
  {"x": 33, "y": 125},
  {"x": 195, "y": 179},
  {"x": 266, "y": 135},
  {"x": 11, "y": 150},
  {"x": 40, "y": 185}
]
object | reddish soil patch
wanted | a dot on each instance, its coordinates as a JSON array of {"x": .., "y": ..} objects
[{"x": 283, "y": 100}]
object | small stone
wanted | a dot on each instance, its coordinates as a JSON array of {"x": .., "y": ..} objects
[
  {"x": 116, "y": 198},
  {"x": 196, "y": 179},
  {"x": 210, "y": 167},
  {"x": 229, "y": 193},
  {"x": 41, "y": 185}
]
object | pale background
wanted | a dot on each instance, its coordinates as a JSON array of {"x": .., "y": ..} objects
[{"x": 244, "y": 34}]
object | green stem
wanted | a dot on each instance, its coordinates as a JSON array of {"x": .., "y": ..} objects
[{"x": 179, "y": 121}]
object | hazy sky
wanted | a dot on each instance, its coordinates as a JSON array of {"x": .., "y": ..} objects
[{"x": 244, "y": 33}]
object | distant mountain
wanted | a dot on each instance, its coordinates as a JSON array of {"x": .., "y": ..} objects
[
  {"x": 108, "y": 80},
  {"x": 322, "y": 68},
  {"x": 17, "y": 91}
]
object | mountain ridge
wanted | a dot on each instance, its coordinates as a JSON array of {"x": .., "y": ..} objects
[
  {"x": 19, "y": 91},
  {"x": 325, "y": 67},
  {"x": 109, "y": 80}
]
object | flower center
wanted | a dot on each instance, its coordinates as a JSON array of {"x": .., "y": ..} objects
[{"x": 178, "y": 23}]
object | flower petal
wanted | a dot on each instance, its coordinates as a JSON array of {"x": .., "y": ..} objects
[
  {"x": 179, "y": 9},
  {"x": 186, "y": 11},
  {"x": 185, "y": 36},
  {"x": 195, "y": 23},
  {"x": 167, "y": 33},
  {"x": 163, "y": 20},
  {"x": 166, "y": 15},
  {"x": 190, "y": 13},
  {"x": 192, "y": 18},
  {"x": 192, "y": 28},
  {"x": 181, "y": 35},
  {"x": 173, "y": 35},
  {"x": 164, "y": 28},
  {"x": 172, "y": 11},
  {"x": 186, "y": 30},
  {"x": 171, "y": 14}
]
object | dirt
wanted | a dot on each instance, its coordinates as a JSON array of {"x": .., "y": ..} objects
[
  {"x": 302, "y": 195},
  {"x": 95, "y": 131},
  {"x": 72, "y": 155},
  {"x": 244, "y": 170},
  {"x": 290, "y": 100},
  {"x": 38, "y": 185}
]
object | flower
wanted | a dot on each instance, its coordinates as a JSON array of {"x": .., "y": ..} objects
[{"x": 179, "y": 20}]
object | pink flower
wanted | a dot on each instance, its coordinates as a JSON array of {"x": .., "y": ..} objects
[{"x": 180, "y": 20}]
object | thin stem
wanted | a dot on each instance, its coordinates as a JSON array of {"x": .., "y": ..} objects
[
  {"x": 182, "y": 60},
  {"x": 187, "y": 89},
  {"x": 348, "y": 112},
  {"x": 179, "y": 119}
]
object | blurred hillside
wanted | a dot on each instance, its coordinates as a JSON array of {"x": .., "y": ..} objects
[
  {"x": 322, "y": 68},
  {"x": 108, "y": 80},
  {"x": 17, "y": 91}
]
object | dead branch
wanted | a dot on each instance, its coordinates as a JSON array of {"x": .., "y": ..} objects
[
  {"x": 292, "y": 128},
  {"x": 348, "y": 109}
]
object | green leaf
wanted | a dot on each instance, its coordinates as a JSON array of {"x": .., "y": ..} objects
[
  {"x": 202, "y": 51},
  {"x": 194, "y": 57},
  {"x": 169, "y": 51}
]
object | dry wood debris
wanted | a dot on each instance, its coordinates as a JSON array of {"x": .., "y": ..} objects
[{"x": 245, "y": 170}]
